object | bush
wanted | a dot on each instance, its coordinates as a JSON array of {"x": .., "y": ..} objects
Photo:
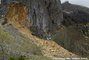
[
  {"x": 19, "y": 58},
  {"x": 12, "y": 58}
]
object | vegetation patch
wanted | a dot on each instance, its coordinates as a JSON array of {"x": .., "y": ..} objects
[
  {"x": 5, "y": 37},
  {"x": 33, "y": 57},
  {"x": 18, "y": 58}
]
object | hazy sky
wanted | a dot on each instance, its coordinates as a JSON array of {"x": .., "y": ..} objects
[{"x": 78, "y": 2}]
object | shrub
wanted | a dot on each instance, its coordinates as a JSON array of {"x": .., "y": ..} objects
[
  {"x": 19, "y": 58},
  {"x": 12, "y": 58}
]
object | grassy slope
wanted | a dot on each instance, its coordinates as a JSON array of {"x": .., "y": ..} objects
[{"x": 17, "y": 44}]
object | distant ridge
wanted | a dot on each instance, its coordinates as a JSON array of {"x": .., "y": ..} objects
[{"x": 72, "y": 7}]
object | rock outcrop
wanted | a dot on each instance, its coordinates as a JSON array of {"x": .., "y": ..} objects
[{"x": 45, "y": 16}]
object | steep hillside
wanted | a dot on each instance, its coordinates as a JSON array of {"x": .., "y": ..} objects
[
  {"x": 17, "y": 23},
  {"x": 21, "y": 42},
  {"x": 71, "y": 7},
  {"x": 14, "y": 43},
  {"x": 74, "y": 35},
  {"x": 48, "y": 48},
  {"x": 75, "y": 17},
  {"x": 26, "y": 20},
  {"x": 74, "y": 38}
]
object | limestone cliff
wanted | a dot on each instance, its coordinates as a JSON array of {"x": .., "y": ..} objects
[{"x": 45, "y": 16}]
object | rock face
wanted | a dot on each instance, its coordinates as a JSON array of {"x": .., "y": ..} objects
[{"x": 45, "y": 16}]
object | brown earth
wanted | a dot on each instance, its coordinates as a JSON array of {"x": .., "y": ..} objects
[{"x": 16, "y": 12}]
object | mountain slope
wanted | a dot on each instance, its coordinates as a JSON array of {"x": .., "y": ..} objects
[
  {"x": 24, "y": 43},
  {"x": 72, "y": 7},
  {"x": 74, "y": 35},
  {"x": 48, "y": 48},
  {"x": 71, "y": 35},
  {"x": 16, "y": 19},
  {"x": 15, "y": 43}
]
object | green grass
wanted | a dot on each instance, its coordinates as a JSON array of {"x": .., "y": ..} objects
[
  {"x": 29, "y": 45},
  {"x": 5, "y": 37},
  {"x": 18, "y": 58}
]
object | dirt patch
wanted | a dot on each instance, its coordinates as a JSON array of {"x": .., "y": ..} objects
[{"x": 16, "y": 13}]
